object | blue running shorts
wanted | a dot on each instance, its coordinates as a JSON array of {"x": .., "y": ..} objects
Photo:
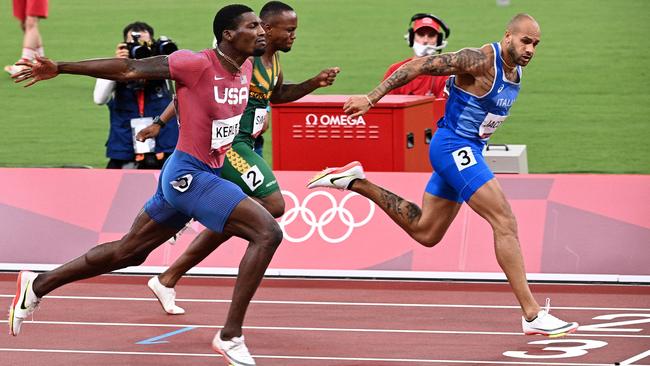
[
  {"x": 189, "y": 188},
  {"x": 459, "y": 168}
]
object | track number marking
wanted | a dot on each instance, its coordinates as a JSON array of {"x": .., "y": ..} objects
[
  {"x": 567, "y": 351},
  {"x": 638, "y": 357},
  {"x": 609, "y": 327}
]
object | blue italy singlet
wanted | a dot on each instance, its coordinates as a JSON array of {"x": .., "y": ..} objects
[
  {"x": 475, "y": 117},
  {"x": 456, "y": 151}
]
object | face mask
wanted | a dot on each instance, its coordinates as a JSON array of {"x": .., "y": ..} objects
[{"x": 424, "y": 50}]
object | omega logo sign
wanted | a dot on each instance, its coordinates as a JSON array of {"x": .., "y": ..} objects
[{"x": 333, "y": 120}]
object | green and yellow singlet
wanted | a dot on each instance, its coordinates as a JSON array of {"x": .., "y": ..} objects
[{"x": 262, "y": 84}]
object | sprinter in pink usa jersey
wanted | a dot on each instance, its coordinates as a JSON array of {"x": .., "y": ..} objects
[{"x": 212, "y": 90}]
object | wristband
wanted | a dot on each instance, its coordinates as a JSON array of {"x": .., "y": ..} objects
[
  {"x": 159, "y": 122},
  {"x": 369, "y": 101}
]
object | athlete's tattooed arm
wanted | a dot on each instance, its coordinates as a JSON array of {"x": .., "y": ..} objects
[
  {"x": 466, "y": 61},
  {"x": 119, "y": 69}
]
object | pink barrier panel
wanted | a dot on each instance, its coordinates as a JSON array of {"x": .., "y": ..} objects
[{"x": 569, "y": 224}]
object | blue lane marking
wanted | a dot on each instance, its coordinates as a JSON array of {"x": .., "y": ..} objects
[{"x": 157, "y": 340}]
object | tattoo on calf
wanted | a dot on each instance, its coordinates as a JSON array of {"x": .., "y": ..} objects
[
  {"x": 393, "y": 204},
  {"x": 414, "y": 212}
]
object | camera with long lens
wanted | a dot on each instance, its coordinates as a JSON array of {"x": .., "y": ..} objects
[
  {"x": 164, "y": 46},
  {"x": 140, "y": 49}
]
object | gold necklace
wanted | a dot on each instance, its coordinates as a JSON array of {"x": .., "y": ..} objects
[
  {"x": 504, "y": 61},
  {"x": 233, "y": 63}
]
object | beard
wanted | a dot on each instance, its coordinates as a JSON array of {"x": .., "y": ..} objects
[
  {"x": 513, "y": 56},
  {"x": 258, "y": 52}
]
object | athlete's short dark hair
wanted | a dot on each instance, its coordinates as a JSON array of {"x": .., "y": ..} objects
[
  {"x": 137, "y": 27},
  {"x": 274, "y": 7},
  {"x": 228, "y": 18}
]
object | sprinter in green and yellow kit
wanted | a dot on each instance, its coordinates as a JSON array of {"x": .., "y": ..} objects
[{"x": 242, "y": 165}]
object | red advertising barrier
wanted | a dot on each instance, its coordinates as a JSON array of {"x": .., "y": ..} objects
[
  {"x": 569, "y": 225},
  {"x": 313, "y": 132}
]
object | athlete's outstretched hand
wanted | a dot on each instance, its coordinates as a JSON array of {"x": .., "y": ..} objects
[
  {"x": 327, "y": 76},
  {"x": 40, "y": 69},
  {"x": 151, "y": 131},
  {"x": 357, "y": 106}
]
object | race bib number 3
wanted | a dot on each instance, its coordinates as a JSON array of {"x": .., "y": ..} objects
[
  {"x": 253, "y": 177},
  {"x": 464, "y": 158},
  {"x": 258, "y": 120},
  {"x": 224, "y": 132},
  {"x": 490, "y": 124}
]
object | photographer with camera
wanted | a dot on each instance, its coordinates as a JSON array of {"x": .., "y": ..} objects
[{"x": 137, "y": 104}]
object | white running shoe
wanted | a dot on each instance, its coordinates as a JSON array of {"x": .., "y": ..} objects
[
  {"x": 166, "y": 296},
  {"x": 339, "y": 178},
  {"x": 547, "y": 325},
  {"x": 25, "y": 302},
  {"x": 234, "y": 351},
  {"x": 14, "y": 69}
]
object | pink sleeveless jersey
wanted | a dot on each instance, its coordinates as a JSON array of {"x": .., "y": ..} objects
[{"x": 211, "y": 101}]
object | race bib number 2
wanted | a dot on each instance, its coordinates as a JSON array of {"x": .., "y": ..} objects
[{"x": 253, "y": 177}]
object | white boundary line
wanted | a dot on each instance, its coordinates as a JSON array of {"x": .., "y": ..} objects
[
  {"x": 331, "y": 303},
  {"x": 310, "y": 358},
  {"x": 492, "y": 276},
  {"x": 321, "y": 329}
]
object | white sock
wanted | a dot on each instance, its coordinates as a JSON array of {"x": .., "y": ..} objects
[
  {"x": 41, "y": 51},
  {"x": 28, "y": 53}
]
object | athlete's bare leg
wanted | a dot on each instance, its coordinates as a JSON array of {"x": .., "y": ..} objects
[
  {"x": 429, "y": 224},
  {"x": 273, "y": 203},
  {"x": 204, "y": 244},
  {"x": 208, "y": 241},
  {"x": 426, "y": 225},
  {"x": 32, "y": 37},
  {"x": 250, "y": 221},
  {"x": 490, "y": 202},
  {"x": 144, "y": 236}
]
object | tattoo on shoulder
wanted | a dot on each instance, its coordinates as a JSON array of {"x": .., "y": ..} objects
[{"x": 467, "y": 60}]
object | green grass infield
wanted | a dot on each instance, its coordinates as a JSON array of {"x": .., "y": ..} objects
[{"x": 584, "y": 105}]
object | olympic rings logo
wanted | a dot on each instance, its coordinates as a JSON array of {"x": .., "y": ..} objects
[{"x": 318, "y": 224}]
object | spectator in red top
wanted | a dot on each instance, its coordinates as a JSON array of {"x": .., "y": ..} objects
[
  {"x": 427, "y": 35},
  {"x": 29, "y": 13}
]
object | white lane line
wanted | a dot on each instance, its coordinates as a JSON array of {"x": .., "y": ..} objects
[
  {"x": 332, "y": 303},
  {"x": 319, "y": 329},
  {"x": 306, "y": 358}
]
